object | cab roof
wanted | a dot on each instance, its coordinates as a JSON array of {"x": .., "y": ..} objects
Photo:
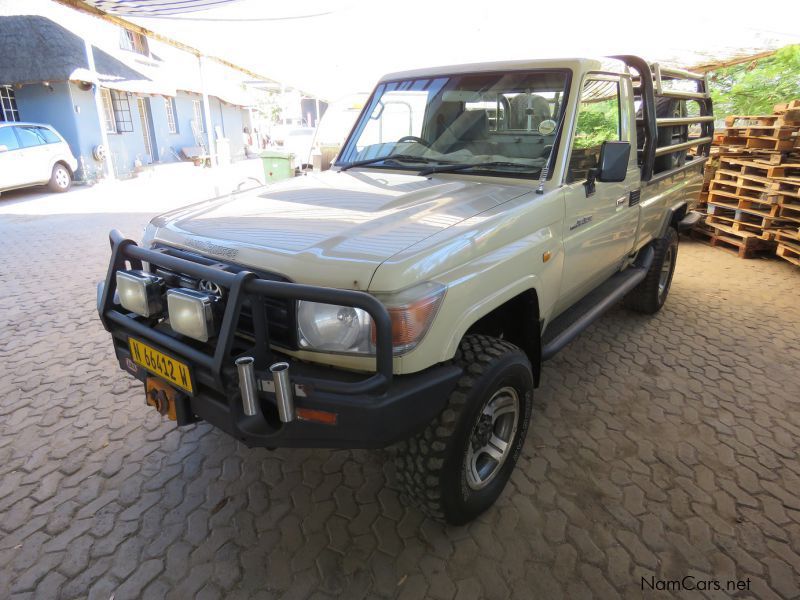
[
  {"x": 28, "y": 123},
  {"x": 573, "y": 64}
]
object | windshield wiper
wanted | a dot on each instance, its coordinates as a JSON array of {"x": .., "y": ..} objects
[
  {"x": 484, "y": 165},
  {"x": 398, "y": 157}
]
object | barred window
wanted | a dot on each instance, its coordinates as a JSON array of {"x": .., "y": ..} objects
[
  {"x": 8, "y": 105},
  {"x": 172, "y": 123},
  {"x": 122, "y": 111}
]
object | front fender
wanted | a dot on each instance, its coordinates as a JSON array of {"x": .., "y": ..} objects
[{"x": 477, "y": 288}]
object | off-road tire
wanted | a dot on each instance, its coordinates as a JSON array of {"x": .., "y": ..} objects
[
  {"x": 431, "y": 467},
  {"x": 60, "y": 179},
  {"x": 649, "y": 296}
]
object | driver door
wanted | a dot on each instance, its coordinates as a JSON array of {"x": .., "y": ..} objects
[
  {"x": 600, "y": 226},
  {"x": 12, "y": 167}
]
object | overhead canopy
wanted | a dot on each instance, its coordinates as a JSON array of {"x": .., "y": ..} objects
[{"x": 334, "y": 47}]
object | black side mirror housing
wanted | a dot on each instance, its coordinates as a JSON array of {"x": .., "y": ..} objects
[{"x": 614, "y": 158}]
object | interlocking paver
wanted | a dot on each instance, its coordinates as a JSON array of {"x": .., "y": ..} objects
[{"x": 661, "y": 445}]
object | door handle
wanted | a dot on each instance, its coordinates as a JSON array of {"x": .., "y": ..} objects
[{"x": 621, "y": 201}]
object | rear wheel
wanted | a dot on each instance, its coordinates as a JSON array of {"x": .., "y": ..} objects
[
  {"x": 60, "y": 179},
  {"x": 649, "y": 296},
  {"x": 458, "y": 466}
]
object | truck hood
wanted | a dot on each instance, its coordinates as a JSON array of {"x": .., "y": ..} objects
[{"x": 331, "y": 228}]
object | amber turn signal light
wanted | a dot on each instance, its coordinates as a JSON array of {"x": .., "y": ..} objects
[{"x": 317, "y": 416}]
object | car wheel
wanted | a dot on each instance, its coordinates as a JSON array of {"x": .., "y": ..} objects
[
  {"x": 60, "y": 179},
  {"x": 649, "y": 296},
  {"x": 458, "y": 466}
]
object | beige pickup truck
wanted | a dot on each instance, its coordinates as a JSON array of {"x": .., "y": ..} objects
[{"x": 477, "y": 219}]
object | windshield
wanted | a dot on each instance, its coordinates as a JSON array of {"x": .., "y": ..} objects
[{"x": 497, "y": 123}]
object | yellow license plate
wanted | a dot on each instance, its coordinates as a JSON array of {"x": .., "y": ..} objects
[{"x": 166, "y": 367}]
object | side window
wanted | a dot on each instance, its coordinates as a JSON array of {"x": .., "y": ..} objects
[
  {"x": 8, "y": 139},
  {"x": 598, "y": 122},
  {"x": 49, "y": 136},
  {"x": 29, "y": 137}
]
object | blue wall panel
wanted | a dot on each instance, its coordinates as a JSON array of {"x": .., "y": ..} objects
[{"x": 73, "y": 113}]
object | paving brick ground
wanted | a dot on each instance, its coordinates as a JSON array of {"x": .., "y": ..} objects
[{"x": 662, "y": 447}]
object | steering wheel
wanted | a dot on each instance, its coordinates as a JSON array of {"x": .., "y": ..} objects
[{"x": 413, "y": 138}]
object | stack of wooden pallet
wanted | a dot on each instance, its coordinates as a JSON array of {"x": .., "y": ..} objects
[{"x": 753, "y": 201}]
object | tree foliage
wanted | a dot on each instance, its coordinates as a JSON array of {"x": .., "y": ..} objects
[
  {"x": 754, "y": 88},
  {"x": 597, "y": 123}
]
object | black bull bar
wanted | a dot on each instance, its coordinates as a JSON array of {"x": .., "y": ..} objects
[{"x": 241, "y": 286}]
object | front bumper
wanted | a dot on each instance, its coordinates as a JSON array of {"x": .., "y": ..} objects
[{"x": 371, "y": 411}]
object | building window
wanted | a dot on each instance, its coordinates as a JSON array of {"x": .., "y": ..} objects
[
  {"x": 133, "y": 41},
  {"x": 198, "y": 116},
  {"x": 108, "y": 111},
  {"x": 123, "y": 122},
  {"x": 8, "y": 105},
  {"x": 172, "y": 123}
]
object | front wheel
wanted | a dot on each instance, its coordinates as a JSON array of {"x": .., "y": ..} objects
[
  {"x": 458, "y": 466},
  {"x": 60, "y": 179},
  {"x": 649, "y": 296}
]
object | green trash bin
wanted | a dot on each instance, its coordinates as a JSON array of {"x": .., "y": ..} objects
[{"x": 277, "y": 165}]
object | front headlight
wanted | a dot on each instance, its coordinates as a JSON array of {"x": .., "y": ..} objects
[{"x": 333, "y": 328}]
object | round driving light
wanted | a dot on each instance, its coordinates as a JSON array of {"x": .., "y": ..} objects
[{"x": 330, "y": 327}]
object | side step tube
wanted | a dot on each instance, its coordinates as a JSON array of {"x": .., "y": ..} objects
[{"x": 574, "y": 320}]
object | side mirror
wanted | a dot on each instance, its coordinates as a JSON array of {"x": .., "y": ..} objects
[
  {"x": 614, "y": 161},
  {"x": 613, "y": 165},
  {"x": 3, "y": 148}
]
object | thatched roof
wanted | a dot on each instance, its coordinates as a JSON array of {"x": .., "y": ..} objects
[{"x": 35, "y": 49}]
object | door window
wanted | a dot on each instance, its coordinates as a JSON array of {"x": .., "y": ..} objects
[
  {"x": 598, "y": 121},
  {"x": 29, "y": 137},
  {"x": 8, "y": 139},
  {"x": 49, "y": 136}
]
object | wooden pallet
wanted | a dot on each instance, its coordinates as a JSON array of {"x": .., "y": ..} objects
[
  {"x": 739, "y": 188},
  {"x": 780, "y": 132},
  {"x": 790, "y": 110},
  {"x": 773, "y": 144},
  {"x": 789, "y": 251},
  {"x": 788, "y": 118},
  {"x": 791, "y": 236},
  {"x": 759, "y": 168},
  {"x": 786, "y": 186},
  {"x": 742, "y": 222},
  {"x": 787, "y": 211},
  {"x": 744, "y": 243}
]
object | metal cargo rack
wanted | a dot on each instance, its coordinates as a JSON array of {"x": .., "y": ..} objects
[{"x": 651, "y": 86}]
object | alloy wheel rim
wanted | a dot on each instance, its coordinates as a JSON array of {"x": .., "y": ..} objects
[
  {"x": 492, "y": 435},
  {"x": 61, "y": 178},
  {"x": 666, "y": 271}
]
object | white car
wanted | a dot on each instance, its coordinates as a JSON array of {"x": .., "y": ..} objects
[{"x": 34, "y": 154}]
